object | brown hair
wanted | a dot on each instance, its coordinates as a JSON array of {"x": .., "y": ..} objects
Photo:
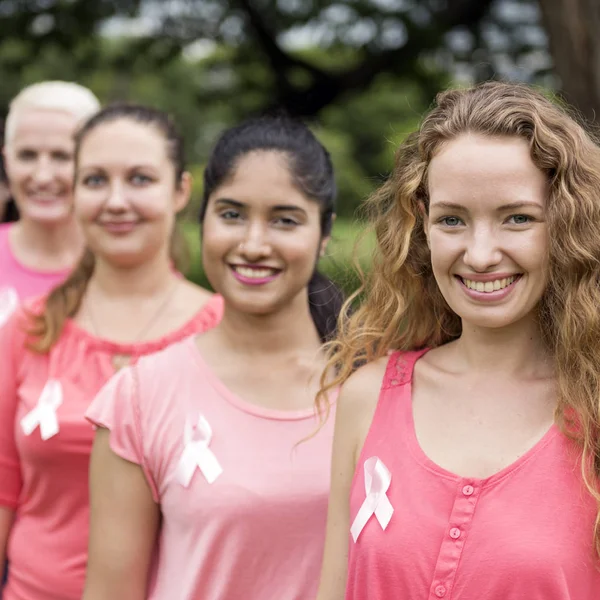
[
  {"x": 403, "y": 307},
  {"x": 65, "y": 300}
]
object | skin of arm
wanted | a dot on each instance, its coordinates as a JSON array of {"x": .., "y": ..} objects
[
  {"x": 6, "y": 521},
  {"x": 123, "y": 529},
  {"x": 355, "y": 408}
]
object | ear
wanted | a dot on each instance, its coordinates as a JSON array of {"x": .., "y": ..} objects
[
  {"x": 183, "y": 192},
  {"x": 326, "y": 239}
]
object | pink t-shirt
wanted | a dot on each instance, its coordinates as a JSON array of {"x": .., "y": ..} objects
[
  {"x": 18, "y": 282},
  {"x": 525, "y": 533},
  {"x": 46, "y": 480},
  {"x": 257, "y": 531}
]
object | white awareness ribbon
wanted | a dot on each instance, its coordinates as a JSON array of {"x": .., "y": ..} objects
[
  {"x": 377, "y": 482},
  {"x": 196, "y": 453},
  {"x": 9, "y": 301},
  {"x": 44, "y": 414}
]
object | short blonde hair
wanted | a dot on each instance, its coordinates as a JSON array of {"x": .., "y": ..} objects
[{"x": 63, "y": 96}]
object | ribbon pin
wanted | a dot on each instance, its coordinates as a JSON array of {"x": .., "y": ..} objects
[
  {"x": 377, "y": 482},
  {"x": 44, "y": 414},
  {"x": 9, "y": 300},
  {"x": 196, "y": 453}
]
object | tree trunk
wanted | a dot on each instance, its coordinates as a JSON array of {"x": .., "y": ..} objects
[{"x": 573, "y": 27}]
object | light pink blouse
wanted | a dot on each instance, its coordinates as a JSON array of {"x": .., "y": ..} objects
[
  {"x": 45, "y": 444},
  {"x": 256, "y": 531}
]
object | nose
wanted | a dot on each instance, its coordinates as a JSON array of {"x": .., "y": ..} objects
[
  {"x": 255, "y": 244},
  {"x": 44, "y": 172},
  {"x": 483, "y": 250},
  {"x": 116, "y": 200}
]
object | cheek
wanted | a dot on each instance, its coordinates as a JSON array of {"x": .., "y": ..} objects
[
  {"x": 153, "y": 205},
  {"x": 299, "y": 251},
  {"x": 16, "y": 170},
  {"x": 444, "y": 249},
  {"x": 87, "y": 205},
  {"x": 65, "y": 172}
]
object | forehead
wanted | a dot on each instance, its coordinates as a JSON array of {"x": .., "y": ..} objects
[
  {"x": 263, "y": 179},
  {"x": 43, "y": 127},
  {"x": 476, "y": 167},
  {"x": 121, "y": 143}
]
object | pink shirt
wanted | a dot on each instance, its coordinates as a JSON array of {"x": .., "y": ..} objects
[
  {"x": 46, "y": 481},
  {"x": 525, "y": 533},
  {"x": 18, "y": 282},
  {"x": 256, "y": 532}
]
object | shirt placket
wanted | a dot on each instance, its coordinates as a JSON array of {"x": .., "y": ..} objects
[{"x": 455, "y": 537}]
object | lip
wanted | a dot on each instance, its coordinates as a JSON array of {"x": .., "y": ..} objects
[
  {"x": 483, "y": 277},
  {"x": 494, "y": 296},
  {"x": 44, "y": 199},
  {"x": 254, "y": 281},
  {"x": 119, "y": 226}
]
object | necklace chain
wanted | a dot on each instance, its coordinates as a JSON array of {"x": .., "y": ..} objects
[{"x": 118, "y": 359}]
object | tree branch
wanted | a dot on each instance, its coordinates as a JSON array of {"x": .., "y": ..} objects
[{"x": 328, "y": 87}]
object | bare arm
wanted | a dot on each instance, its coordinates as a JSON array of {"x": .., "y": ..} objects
[
  {"x": 355, "y": 409},
  {"x": 124, "y": 526},
  {"x": 6, "y": 521}
]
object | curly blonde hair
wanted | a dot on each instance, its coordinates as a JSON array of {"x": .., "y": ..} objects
[{"x": 402, "y": 306}]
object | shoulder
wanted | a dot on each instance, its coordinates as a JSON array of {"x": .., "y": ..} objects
[
  {"x": 358, "y": 399},
  {"x": 164, "y": 362},
  {"x": 207, "y": 303},
  {"x": 5, "y": 228}
]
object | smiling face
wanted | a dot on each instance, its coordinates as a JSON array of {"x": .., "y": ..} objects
[
  {"x": 261, "y": 236},
  {"x": 39, "y": 164},
  {"x": 126, "y": 196},
  {"x": 486, "y": 229}
]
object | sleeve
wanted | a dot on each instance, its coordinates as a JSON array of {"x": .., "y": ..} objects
[
  {"x": 211, "y": 313},
  {"x": 117, "y": 408},
  {"x": 12, "y": 344}
]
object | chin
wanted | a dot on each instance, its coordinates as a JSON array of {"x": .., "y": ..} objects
[{"x": 49, "y": 218}]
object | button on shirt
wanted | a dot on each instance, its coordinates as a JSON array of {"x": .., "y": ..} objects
[{"x": 525, "y": 533}]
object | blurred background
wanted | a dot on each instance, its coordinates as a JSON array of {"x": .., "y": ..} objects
[{"x": 361, "y": 72}]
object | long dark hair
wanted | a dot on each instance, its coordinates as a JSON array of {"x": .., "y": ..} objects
[{"x": 312, "y": 173}]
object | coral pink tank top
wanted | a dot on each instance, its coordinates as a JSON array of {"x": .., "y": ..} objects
[{"x": 525, "y": 533}]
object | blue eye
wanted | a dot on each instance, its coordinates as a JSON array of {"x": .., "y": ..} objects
[
  {"x": 140, "y": 179},
  {"x": 94, "y": 180},
  {"x": 520, "y": 219},
  {"x": 450, "y": 221}
]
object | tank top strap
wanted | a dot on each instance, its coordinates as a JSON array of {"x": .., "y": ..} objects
[{"x": 400, "y": 367}]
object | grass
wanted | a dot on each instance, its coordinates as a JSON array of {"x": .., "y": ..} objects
[{"x": 337, "y": 264}]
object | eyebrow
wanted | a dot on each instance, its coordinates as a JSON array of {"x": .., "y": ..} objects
[
  {"x": 277, "y": 208},
  {"x": 509, "y": 206}
]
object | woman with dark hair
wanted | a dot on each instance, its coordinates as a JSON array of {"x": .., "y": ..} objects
[
  {"x": 122, "y": 301},
  {"x": 206, "y": 480}
]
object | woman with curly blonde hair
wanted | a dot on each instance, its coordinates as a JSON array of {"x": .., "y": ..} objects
[{"x": 467, "y": 447}]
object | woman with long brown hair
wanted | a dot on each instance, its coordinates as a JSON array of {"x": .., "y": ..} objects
[
  {"x": 467, "y": 445},
  {"x": 123, "y": 301}
]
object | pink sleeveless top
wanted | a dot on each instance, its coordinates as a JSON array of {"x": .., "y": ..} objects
[{"x": 525, "y": 533}]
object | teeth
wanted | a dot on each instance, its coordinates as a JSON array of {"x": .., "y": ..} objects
[
  {"x": 489, "y": 286},
  {"x": 254, "y": 273}
]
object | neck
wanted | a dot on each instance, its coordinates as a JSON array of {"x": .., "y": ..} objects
[
  {"x": 57, "y": 246},
  {"x": 512, "y": 350},
  {"x": 144, "y": 280},
  {"x": 285, "y": 332}
]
